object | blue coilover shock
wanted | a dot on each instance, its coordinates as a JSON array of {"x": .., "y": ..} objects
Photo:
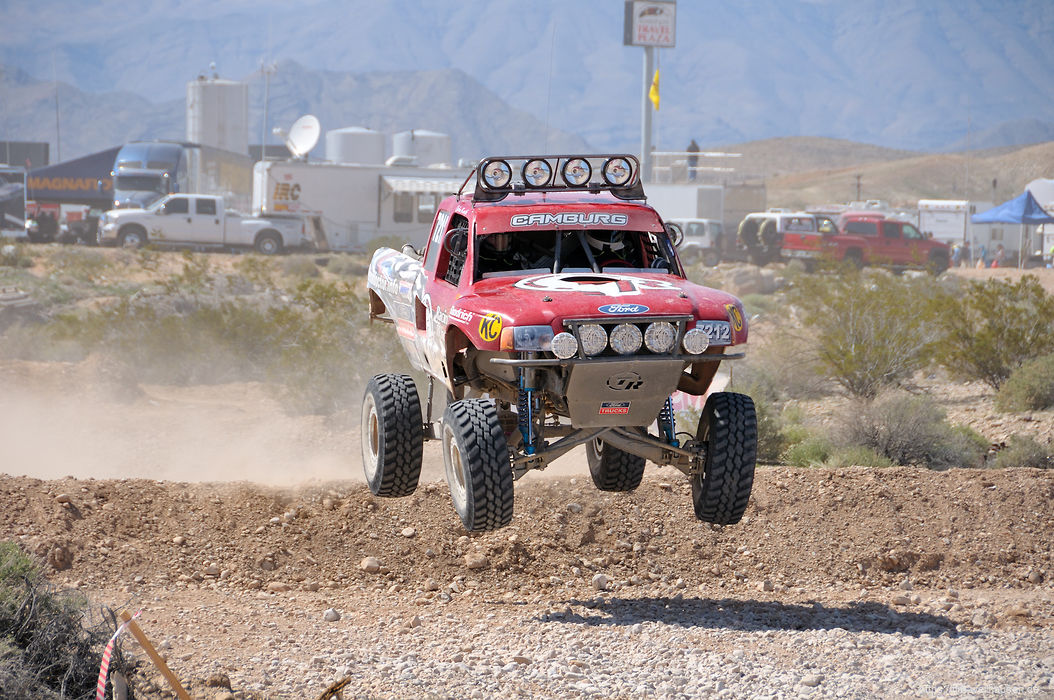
[
  {"x": 526, "y": 416},
  {"x": 666, "y": 422}
]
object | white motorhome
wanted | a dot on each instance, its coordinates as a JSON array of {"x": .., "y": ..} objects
[{"x": 352, "y": 203}]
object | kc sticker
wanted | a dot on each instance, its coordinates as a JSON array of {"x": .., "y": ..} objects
[
  {"x": 490, "y": 327},
  {"x": 735, "y": 317},
  {"x": 616, "y": 408}
]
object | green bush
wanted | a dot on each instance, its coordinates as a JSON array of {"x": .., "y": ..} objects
[
  {"x": 813, "y": 451},
  {"x": 257, "y": 269},
  {"x": 78, "y": 263},
  {"x": 869, "y": 329},
  {"x": 1023, "y": 451},
  {"x": 911, "y": 430},
  {"x": 347, "y": 266},
  {"x": 991, "y": 328},
  {"x": 1030, "y": 387},
  {"x": 856, "y": 456},
  {"x": 50, "y": 644}
]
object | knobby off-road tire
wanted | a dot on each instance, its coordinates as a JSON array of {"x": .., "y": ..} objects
[
  {"x": 611, "y": 468},
  {"x": 729, "y": 427},
  {"x": 392, "y": 435},
  {"x": 478, "y": 471}
]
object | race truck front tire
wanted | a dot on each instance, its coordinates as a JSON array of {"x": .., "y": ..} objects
[
  {"x": 478, "y": 470},
  {"x": 611, "y": 468},
  {"x": 392, "y": 435},
  {"x": 729, "y": 428}
]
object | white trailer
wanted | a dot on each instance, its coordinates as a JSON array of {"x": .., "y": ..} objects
[
  {"x": 949, "y": 221},
  {"x": 352, "y": 204}
]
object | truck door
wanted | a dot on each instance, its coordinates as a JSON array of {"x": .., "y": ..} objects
[
  {"x": 176, "y": 221},
  {"x": 206, "y": 223},
  {"x": 890, "y": 247}
]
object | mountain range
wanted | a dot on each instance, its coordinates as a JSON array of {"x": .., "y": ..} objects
[{"x": 501, "y": 75}]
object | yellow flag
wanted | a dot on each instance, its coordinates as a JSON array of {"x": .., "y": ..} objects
[{"x": 653, "y": 93}]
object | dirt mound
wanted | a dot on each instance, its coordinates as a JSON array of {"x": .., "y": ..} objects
[{"x": 813, "y": 527}]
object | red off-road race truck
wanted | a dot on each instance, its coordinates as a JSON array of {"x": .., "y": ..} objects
[{"x": 551, "y": 310}]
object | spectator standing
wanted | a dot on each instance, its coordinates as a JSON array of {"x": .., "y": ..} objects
[
  {"x": 1000, "y": 253},
  {"x": 967, "y": 255},
  {"x": 693, "y": 159}
]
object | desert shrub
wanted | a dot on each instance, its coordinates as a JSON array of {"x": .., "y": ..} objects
[
  {"x": 1030, "y": 387},
  {"x": 989, "y": 329},
  {"x": 1023, "y": 451},
  {"x": 856, "y": 456},
  {"x": 195, "y": 277},
  {"x": 812, "y": 451},
  {"x": 869, "y": 329},
  {"x": 911, "y": 430},
  {"x": 78, "y": 263},
  {"x": 347, "y": 266},
  {"x": 257, "y": 269},
  {"x": 300, "y": 267},
  {"x": 14, "y": 255},
  {"x": 50, "y": 639},
  {"x": 770, "y": 438}
]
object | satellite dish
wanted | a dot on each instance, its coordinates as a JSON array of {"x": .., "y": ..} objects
[{"x": 303, "y": 135}]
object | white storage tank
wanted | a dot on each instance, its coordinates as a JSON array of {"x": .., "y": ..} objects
[
  {"x": 428, "y": 147},
  {"x": 218, "y": 113},
  {"x": 355, "y": 144}
]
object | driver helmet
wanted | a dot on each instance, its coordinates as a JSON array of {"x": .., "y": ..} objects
[
  {"x": 606, "y": 241},
  {"x": 500, "y": 241}
]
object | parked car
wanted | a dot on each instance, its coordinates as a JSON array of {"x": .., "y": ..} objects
[
  {"x": 762, "y": 233},
  {"x": 702, "y": 240}
]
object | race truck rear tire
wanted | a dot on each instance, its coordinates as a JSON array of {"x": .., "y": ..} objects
[
  {"x": 392, "y": 435},
  {"x": 478, "y": 470},
  {"x": 729, "y": 428},
  {"x": 611, "y": 468}
]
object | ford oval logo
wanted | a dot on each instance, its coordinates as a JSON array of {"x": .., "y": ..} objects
[{"x": 624, "y": 309}]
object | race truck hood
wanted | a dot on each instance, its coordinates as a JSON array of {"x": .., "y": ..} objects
[{"x": 549, "y": 299}]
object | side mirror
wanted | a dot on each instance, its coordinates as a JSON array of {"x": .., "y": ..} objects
[
  {"x": 456, "y": 242},
  {"x": 676, "y": 234}
]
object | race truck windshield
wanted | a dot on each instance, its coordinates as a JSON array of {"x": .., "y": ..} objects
[{"x": 583, "y": 250}]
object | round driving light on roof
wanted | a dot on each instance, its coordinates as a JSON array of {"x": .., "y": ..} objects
[
  {"x": 696, "y": 341},
  {"x": 537, "y": 173},
  {"x": 577, "y": 172},
  {"x": 626, "y": 339},
  {"x": 564, "y": 345},
  {"x": 617, "y": 171},
  {"x": 660, "y": 337},
  {"x": 497, "y": 174},
  {"x": 593, "y": 338}
]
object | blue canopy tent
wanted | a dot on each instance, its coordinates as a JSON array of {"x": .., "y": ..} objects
[{"x": 1023, "y": 209}]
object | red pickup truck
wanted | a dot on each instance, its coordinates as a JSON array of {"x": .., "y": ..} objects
[
  {"x": 869, "y": 238},
  {"x": 550, "y": 308}
]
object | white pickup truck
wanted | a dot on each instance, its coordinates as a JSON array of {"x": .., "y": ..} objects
[{"x": 199, "y": 220}]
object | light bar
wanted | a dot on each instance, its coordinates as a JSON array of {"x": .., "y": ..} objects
[
  {"x": 576, "y": 172},
  {"x": 537, "y": 173},
  {"x": 497, "y": 175}
]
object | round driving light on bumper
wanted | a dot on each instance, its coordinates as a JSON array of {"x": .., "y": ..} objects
[
  {"x": 497, "y": 174},
  {"x": 696, "y": 341},
  {"x": 564, "y": 345},
  {"x": 537, "y": 173},
  {"x": 577, "y": 171},
  {"x": 660, "y": 337},
  {"x": 617, "y": 171},
  {"x": 593, "y": 338},
  {"x": 626, "y": 339}
]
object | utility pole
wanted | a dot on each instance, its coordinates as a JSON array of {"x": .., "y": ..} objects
[
  {"x": 267, "y": 69},
  {"x": 645, "y": 114}
]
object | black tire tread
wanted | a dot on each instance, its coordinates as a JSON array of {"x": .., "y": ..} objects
[
  {"x": 720, "y": 495},
  {"x": 401, "y": 449},
  {"x": 614, "y": 469},
  {"x": 486, "y": 457}
]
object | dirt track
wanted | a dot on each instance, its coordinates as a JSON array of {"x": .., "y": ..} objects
[{"x": 235, "y": 526}]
